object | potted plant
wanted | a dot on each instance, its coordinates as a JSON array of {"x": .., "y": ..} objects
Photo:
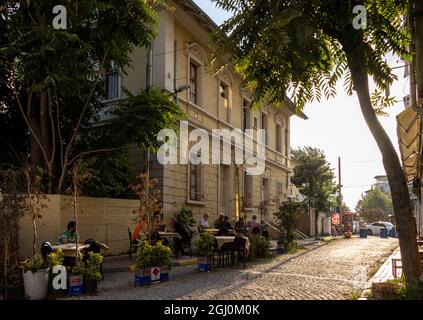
[
  {"x": 91, "y": 272},
  {"x": 259, "y": 246},
  {"x": 153, "y": 263},
  {"x": 55, "y": 259},
  {"x": 287, "y": 224},
  {"x": 35, "y": 276},
  {"x": 160, "y": 262},
  {"x": 143, "y": 258},
  {"x": 205, "y": 244}
]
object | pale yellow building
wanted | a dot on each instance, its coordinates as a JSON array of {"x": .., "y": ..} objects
[{"x": 180, "y": 56}]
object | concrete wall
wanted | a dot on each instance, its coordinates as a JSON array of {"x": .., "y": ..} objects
[{"x": 106, "y": 220}]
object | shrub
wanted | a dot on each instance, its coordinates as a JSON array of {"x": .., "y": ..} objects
[
  {"x": 55, "y": 258},
  {"x": 259, "y": 246},
  {"x": 185, "y": 217},
  {"x": 160, "y": 255},
  {"x": 205, "y": 244},
  {"x": 153, "y": 256},
  {"x": 92, "y": 269},
  {"x": 34, "y": 264}
]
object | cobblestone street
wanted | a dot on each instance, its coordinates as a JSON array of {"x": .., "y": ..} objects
[{"x": 330, "y": 272}]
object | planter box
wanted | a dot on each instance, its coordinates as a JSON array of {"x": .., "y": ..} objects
[
  {"x": 151, "y": 275},
  {"x": 204, "y": 264},
  {"x": 142, "y": 277},
  {"x": 164, "y": 273},
  {"x": 75, "y": 284}
]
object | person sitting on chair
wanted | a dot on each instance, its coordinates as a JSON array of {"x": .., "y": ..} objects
[
  {"x": 185, "y": 234},
  {"x": 240, "y": 226},
  {"x": 69, "y": 235},
  {"x": 224, "y": 226},
  {"x": 264, "y": 230},
  {"x": 219, "y": 220},
  {"x": 204, "y": 223},
  {"x": 140, "y": 228}
]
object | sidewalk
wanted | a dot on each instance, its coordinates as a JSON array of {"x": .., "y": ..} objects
[{"x": 384, "y": 274}]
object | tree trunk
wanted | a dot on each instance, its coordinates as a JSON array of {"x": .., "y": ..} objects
[
  {"x": 406, "y": 227},
  {"x": 418, "y": 9}
]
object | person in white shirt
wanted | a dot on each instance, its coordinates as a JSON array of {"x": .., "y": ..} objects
[{"x": 204, "y": 223}]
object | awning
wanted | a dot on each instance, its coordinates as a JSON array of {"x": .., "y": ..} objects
[{"x": 408, "y": 128}]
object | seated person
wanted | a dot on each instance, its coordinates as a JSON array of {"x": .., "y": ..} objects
[
  {"x": 219, "y": 220},
  {"x": 69, "y": 235},
  {"x": 264, "y": 230},
  {"x": 141, "y": 228},
  {"x": 240, "y": 226},
  {"x": 185, "y": 234},
  {"x": 204, "y": 223},
  {"x": 224, "y": 226}
]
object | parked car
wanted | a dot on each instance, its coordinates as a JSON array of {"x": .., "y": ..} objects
[{"x": 374, "y": 228}]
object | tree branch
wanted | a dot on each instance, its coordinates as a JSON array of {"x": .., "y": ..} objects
[{"x": 29, "y": 124}]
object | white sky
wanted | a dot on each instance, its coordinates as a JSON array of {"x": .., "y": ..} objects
[{"x": 337, "y": 127}]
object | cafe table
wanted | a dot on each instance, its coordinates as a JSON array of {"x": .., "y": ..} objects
[{"x": 69, "y": 249}]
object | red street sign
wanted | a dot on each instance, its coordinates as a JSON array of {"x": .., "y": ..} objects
[{"x": 336, "y": 218}]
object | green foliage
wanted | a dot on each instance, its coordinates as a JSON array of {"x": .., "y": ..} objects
[
  {"x": 57, "y": 76},
  {"x": 286, "y": 220},
  {"x": 185, "y": 217},
  {"x": 259, "y": 246},
  {"x": 160, "y": 255},
  {"x": 105, "y": 175},
  {"x": 300, "y": 47},
  {"x": 205, "y": 244},
  {"x": 55, "y": 258},
  {"x": 149, "y": 256},
  {"x": 314, "y": 177},
  {"x": 143, "y": 256},
  {"x": 34, "y": 264},
  {"x": 375, "y": 206},
  {"x": 140, "y": 118},
  {"x": 92, "y": 269}
]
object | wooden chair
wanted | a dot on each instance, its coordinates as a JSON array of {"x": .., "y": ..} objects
[
  {"x": 239, "y": 246},
  {"x": 132, "y": 244}
]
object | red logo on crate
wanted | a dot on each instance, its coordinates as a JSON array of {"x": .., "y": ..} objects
[{"x": 156, "y": 271}]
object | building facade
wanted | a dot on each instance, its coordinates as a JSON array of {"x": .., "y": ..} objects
[{"x": 180, "y": 64}]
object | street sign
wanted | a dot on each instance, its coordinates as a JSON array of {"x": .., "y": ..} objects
[{"x": 336, "y": 219}]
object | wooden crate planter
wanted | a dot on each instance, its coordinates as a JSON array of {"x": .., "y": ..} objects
[
  {"x": 75, "y": 284},
  {"x": 144, "y": 277},
  {"x": 204, "y": 264}
]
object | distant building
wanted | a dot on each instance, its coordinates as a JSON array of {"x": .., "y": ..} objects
[{"x": 382, "y": 184}]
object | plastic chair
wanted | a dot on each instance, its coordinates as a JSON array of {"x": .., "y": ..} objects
[{"x": 46, "y": 249}]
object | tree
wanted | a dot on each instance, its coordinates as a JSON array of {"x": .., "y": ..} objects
[
  {"x": 314, "y": 178},
  {"x": 302, "y": 48},
  {"x": 54, "y": 78},
  {"x": 375, "y": 206}
]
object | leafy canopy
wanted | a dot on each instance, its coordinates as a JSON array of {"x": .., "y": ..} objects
[
  {"x": 314, "y": 177},
  {"x": 296, "y": 48}
]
